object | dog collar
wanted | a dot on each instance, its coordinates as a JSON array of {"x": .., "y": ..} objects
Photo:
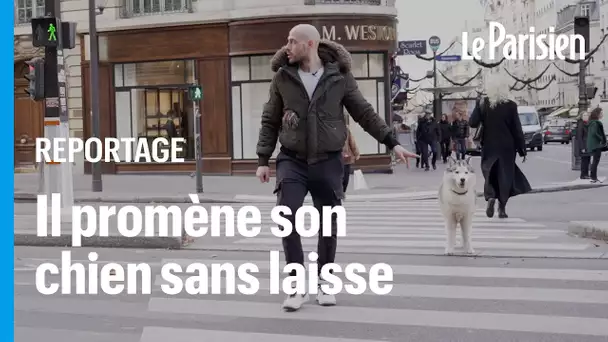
[{"x": 460, "y": 193}]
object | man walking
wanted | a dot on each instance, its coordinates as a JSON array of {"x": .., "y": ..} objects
[
  {"x": 310, "y": 88},
  {"x": 460, "y": 132}
]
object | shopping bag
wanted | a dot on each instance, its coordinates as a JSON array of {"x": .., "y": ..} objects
[{"x": 360, "y": 183}]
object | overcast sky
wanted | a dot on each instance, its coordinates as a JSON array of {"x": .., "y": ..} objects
[{"x": 420, "y": 19}]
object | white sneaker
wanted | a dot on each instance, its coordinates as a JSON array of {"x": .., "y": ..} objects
[
  {"x": 325, "y": 299},
  {"x": 295, "y": 301}
]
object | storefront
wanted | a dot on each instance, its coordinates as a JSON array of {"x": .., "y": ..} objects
[{"x": 145, "y": 75}]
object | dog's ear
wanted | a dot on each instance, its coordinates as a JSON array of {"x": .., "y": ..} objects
[
  {"x": 468, "y": 160},
  {"x": 452, "y": 162}
]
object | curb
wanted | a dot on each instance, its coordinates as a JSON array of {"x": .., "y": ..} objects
[
  {"x": 32, "y": 198},
  {"x": 597, "y": 230},
  {"x": 29, "y": 239},
  {"x": 237, "y": 199}
]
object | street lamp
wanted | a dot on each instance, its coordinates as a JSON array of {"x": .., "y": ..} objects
[{"x": 94, "y": 10}]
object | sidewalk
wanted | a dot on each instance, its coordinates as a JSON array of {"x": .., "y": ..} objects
[
  {"x": 597, "y": 230},
  {"x": 403, "y": 184}
]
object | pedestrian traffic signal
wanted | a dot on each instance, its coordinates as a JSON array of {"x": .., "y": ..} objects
[
  {"x": 44, "y": 32},
  {"x": 581, "y": 27},
  {"x": 195, "y": 93},
  {"x": 35, "y": 76}
]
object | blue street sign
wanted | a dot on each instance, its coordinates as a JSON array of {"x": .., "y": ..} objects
[
  {"x": 448, "y": 58},
  {"x": 411, "y": 47}
]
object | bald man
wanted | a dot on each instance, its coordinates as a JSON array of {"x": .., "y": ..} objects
[{"x": 312, "y": 85}]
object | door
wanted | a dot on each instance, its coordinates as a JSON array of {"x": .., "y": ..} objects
[
  {"x": 161, "y": 106},
  {"x": 29, "y": 125}
]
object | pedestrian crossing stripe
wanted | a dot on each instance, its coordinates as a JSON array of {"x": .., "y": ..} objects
[
  {"x": 505, "y": 301},
  {"x": 162, "y": 334},
  {"x": 455, "y": 292},
  {"x": 443, "y": 271},
  {"x": 418, "y": 227},
  {"x": 382, "y": 316}
]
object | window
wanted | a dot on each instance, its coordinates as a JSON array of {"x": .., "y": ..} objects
[
  {"x": 250, "y": 78},
  {"x": 28, "y": 9},
  {"x": 135, "y": 8},
  {"x": 151, "y": 101},
  {"x": 585, "y": 9}
]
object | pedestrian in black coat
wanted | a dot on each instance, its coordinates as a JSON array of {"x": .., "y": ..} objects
[
  {"x": 501, "y": 139},
  {"x": 446, "y": 136}
]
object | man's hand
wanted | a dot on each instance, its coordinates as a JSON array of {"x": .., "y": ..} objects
[
  {"x": 404, "y": 155},
  {"x": 263, "y": 174}
]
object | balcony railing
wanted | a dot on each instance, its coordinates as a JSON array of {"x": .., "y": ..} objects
[
  {"x": 349, "y": 2},
  {"x": 139, "y": 8}
]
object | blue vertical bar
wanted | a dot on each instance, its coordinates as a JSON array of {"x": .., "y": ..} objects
[{"x": 7, "y": 60}]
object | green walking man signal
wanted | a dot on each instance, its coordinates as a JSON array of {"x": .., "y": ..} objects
[
  {"x": 195, "y": 93},
  {"x": 51, "y": 31}
]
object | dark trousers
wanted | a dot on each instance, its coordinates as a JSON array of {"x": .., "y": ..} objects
[
  {"x": 445, "y": 149},
  {"x": 461, "y": 148},
  {"x": 295, "y": 178},
  {"x": 435, "y": 151},
  {"x": 423, "y": 148},
  {"x": 597, "y": 154},
  {"x": 346, "y": 178},
  {"x": 585, "y": 161}
]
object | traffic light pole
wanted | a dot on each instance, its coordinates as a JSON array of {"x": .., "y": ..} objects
[
  {"x": 198, "y": 148},
  {"x": 94, "y": 85},
  {"x": 581, "y": 27},
  {"x": 58, "y": 179}
]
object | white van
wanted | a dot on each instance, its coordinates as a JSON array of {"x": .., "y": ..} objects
[{"x": 530, "y": 124}]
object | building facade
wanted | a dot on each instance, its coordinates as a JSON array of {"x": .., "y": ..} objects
[
  {"x": 150, "y": 53},
  {"x": 518, "y": 16}
]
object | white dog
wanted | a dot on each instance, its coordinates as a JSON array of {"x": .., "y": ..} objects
[{"x": 457, "y": 200}]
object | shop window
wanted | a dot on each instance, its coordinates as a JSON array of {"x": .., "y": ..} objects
[
  {"x": 239, "y": 67},
  {"x": 154, "y": 73},
  {"x": 250, "y": 85},
  {"x": 260, "y": 68},
  {"x": 151, "y": 101}
]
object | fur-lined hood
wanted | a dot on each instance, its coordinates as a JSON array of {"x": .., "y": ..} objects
[
  {"x": 496, "y": 90},
  {"x": 329, "y": 52}
]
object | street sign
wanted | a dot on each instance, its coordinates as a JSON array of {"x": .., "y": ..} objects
[
  {"x": 448, "y": 58},
  {"x": 411, "y": 47},
  {"x": 434, "y": 43}
]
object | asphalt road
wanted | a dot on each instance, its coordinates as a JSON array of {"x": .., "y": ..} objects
[{"x": 451, "y": 299}]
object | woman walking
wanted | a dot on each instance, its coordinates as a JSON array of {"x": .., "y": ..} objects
[
  {"x": 501, "y": 138},
  {"x": 596, "y": 141},
  {"x": 350, "y": 154}
]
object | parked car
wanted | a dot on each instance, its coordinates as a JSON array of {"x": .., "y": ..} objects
[
  {"x": 530, "y": 124},
  {"x": 561, "y": 134}
]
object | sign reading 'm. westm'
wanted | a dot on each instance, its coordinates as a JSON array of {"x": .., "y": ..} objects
[{"x": 358, "y": 32}]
